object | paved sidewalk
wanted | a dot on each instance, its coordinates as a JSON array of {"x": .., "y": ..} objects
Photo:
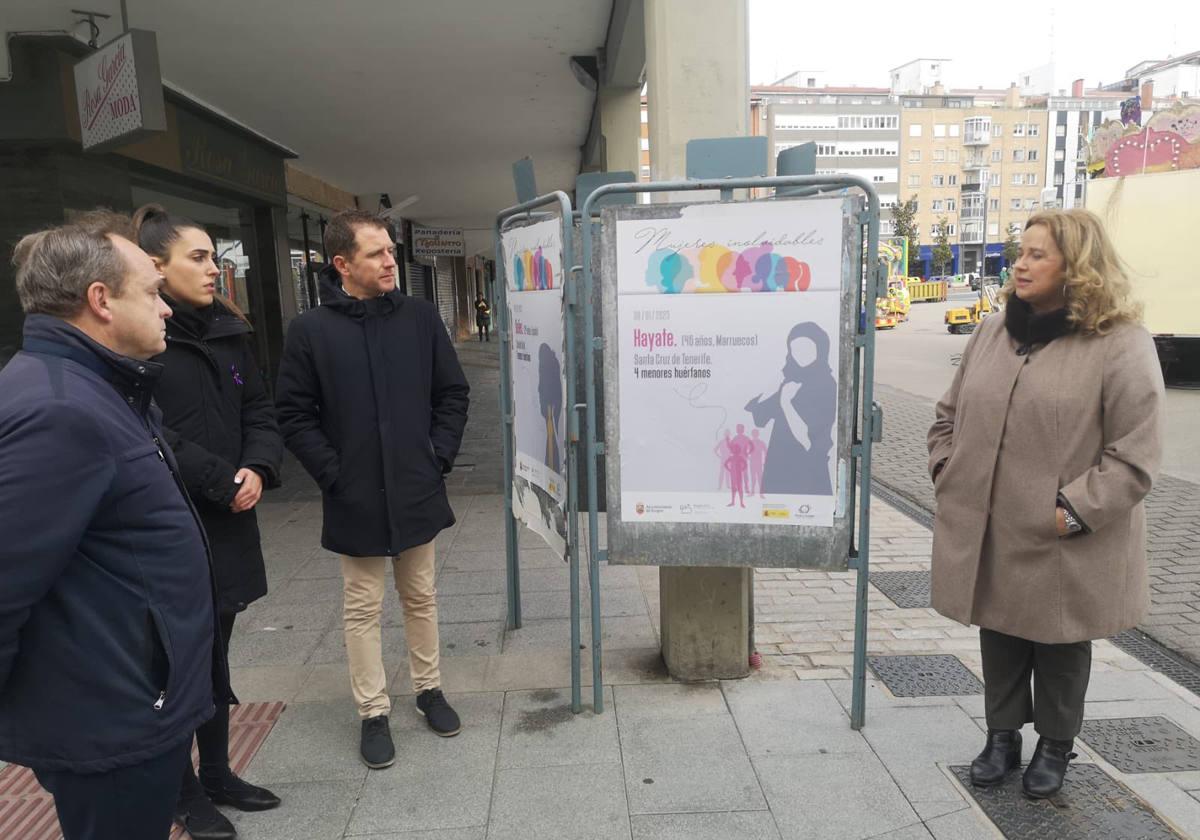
[
  {"x": 1172, "y": 515},
  {"x": 771, "y": 756}
]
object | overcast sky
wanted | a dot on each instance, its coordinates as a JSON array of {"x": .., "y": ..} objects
[{"x": 1095, "y": 40}]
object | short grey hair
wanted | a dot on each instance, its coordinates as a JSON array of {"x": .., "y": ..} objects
[{"x": 56, "y": 266}]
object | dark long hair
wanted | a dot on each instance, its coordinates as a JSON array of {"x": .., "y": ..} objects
[{"x": 157, "y": 230}]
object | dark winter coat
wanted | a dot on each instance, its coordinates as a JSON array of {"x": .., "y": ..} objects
[
  {"x": 373, "y": 403},
  {"x": 220, "y": 418},
  {"x": 108, "y": 652}
]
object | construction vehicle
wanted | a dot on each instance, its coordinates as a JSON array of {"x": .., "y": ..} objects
[
  {"x": 961, "y": 320},
  {"x": 921, "y": 290}
]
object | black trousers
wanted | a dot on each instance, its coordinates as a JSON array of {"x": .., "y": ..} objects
[
  {"x": 132, "y": 803},
  {"x": 485, "y": 328},
  {"x": 212, "y": 738},
  {"x": 1060, "y": 680}
]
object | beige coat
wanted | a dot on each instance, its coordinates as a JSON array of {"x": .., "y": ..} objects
[{"x": 1079, "y": 416}]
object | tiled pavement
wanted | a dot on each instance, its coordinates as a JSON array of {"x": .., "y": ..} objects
[
  {"x": 1172, "y": 514},
  {"x": 771, "y": 757}
]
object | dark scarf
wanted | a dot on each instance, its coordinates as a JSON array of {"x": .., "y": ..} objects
[{"x": 1029, "y": 330}]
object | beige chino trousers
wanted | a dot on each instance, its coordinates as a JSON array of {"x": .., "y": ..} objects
[{"x": 364, "y": 581}]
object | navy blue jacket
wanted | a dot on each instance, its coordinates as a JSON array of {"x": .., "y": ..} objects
[
  {"x": 108, "y": 654},
  {"x": 373, "y": 402}
]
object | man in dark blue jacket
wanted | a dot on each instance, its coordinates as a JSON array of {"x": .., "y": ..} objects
[
  {"x": 373, "y": 403},
  {"x": 108, "y": 656}
]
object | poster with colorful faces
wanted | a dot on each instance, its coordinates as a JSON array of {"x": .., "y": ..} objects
[
  {"x": 728, "y": 323},
  {"x": 533, "y": 268}
]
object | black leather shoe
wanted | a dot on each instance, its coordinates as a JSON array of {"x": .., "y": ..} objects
[
  {"x": 1001, "y": 754},
  {"x": 1044, "y": 776},
  {"x": 441, "y": 718},
  {"x": 376, "y": 746},
  {"x": 228, "y": 789},
  {"x": 202, "y": 819}
]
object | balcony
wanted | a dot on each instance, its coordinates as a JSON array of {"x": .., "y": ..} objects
[
  {"x": 977, "y": 131},
  {"x": 970, "y": 233},
  {"x": 972, "y": 211},
  {"x": 973, "y": 163}
]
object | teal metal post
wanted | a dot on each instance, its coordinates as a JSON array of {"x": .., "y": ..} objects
[
  {"x": 796, "y": 185},
  {"x": 866, "y": 323},
  {"x": 511, "y": 548},
  {"x": 570, "y": 295}
]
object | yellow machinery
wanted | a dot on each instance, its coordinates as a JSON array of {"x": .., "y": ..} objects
[
  {"x": 921, "y": 290},
  {"x": 964, "y": 319}
]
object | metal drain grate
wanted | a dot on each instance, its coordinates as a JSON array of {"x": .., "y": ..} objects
[
  {"x": 1147, "y": 651},
  {"x": 925, "y": 676},
  {"x": 1091, "y": 804},
  {"x": 903, "y": 504},
  {"x": 1143, "y": 744},
  {"x": 908, "y": 590}
]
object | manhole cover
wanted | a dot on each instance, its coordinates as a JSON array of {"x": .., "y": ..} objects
[
  {"x": 1091, "y": 804},
  {"x": 1149, "y": 652},
  {"x": 1142, "y": 745},
  {"x": 908, "y": 590},
  {"x": 925, "y": 676}
]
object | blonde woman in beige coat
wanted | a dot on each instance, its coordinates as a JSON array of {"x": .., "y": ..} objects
[{"x": 1041, "y": 454}]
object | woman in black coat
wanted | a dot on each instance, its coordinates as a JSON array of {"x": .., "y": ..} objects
[{"x": 220, "y": 421}]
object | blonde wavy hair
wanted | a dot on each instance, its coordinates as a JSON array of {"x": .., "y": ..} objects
[{"x": 1098, "y": 292}]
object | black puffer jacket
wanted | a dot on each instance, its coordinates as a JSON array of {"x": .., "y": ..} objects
[
  {"x": 373, "y": 402},
  {"x": 220, "y": 418}
]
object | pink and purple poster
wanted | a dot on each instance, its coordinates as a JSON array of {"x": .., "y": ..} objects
[
  {"x": 728, "y": 323},
  {"x": 533, "y": 268}
]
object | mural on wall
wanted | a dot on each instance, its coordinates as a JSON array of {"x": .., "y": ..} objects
[{"x": 1169, "y": 141}]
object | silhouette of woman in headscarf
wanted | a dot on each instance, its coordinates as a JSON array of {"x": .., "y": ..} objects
[
  {"x": 550, "y": 397},
  {"x": 803, "y": 411}
]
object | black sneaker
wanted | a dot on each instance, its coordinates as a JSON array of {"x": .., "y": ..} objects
[
  {"x": 441, "y": 718},
  {"x": 377, "y": 748},
  {"x": 202, "y": 819}
]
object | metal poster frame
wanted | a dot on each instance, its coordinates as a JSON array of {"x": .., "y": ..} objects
[
  {"x": 506, "y": 220},
  {"x": 866, "y": 419}
]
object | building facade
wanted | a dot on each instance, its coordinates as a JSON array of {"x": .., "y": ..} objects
[
  {"x": 1071, "y": 120},
  {"x": 975, "y": 160},
  {"x": 856, "y": 131}
]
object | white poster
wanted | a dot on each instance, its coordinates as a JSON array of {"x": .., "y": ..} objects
[
  {"x": 728, "y": 330},
  {"x": 533, "y": 264}
]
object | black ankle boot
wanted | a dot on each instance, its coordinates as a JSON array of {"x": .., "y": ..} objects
[
  {"x": 1044, "y": 775},
  {"x": 1001, "y": 754}
]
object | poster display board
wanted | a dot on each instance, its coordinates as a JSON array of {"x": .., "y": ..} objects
[
  {"x": 533, "y": 267},
  {"x": 729, "y": 384}
]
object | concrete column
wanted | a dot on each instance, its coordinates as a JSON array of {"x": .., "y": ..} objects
[
  {"x": 621, "y": 126},
  {"x": 698, "y": 87},
  {"x": 697, "y": 77}
]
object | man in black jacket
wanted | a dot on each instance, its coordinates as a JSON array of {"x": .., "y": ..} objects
[
  {"x": 373, "y": 403},
  {"x": 108, "y": 656}
]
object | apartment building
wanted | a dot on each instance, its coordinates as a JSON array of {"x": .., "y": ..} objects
[
  {"x": 977, "y": 159},
  {"x": 856, "y": 131},
  {"x": 1072, "y": 119}
]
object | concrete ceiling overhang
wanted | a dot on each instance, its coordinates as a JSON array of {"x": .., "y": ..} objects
[{"x": 426, "y": 98}]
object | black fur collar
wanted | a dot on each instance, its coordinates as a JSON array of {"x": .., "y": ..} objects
[{"x": 1028, "y": 329}]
